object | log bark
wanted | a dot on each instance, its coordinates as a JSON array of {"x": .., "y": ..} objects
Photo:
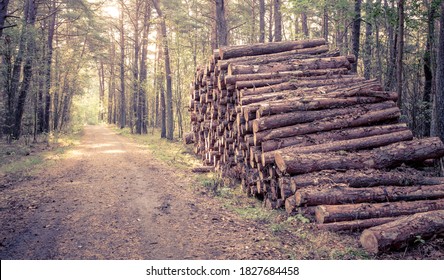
[
  {"x": 364, "y": 178},
  {"x": 335, "y": 135},
  {"x": 271, "y": 204},
  {"x": 344, "y": 145},
  {"x": 203, "y": 169},
  {"x": 278, "y": 57},
  {"x": 384, "y": 157},
  {"x": 293, "y": 65},
  {"x": 328, "y": 124},
  {"x": 356, "y": 224},
  {"x": 342, "y": 89},
  {"x": 290, "y": 205},
  {"x": 301, "y": 88},
  {"x": 319, "y": 195},
  {"x": 293, "y": 76},
  {"x": 268, "y": 48},
  {"x": 399, "y": 233},
  {"x": 292, "y": 118},
  {"x": 316, "y": 103},
  {"x": 349, "y": 212},
  {"x": 284, "y": 187}
]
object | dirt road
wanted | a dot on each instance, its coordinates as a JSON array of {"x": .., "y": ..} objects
[{"x": 110, "y": 199}]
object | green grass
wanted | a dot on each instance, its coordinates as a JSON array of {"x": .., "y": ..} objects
[
  {"x": 20, "y": 157},
  {"x": 172, "y": 153}
]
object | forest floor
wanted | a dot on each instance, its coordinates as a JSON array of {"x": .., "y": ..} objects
[{"x": 117, "y": 197}]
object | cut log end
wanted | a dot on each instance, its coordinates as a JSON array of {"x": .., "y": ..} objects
[
  {"x": 320, "y": 213},
  {"x": 369, "y": 241},
  {"x": 280, "y": 162}
]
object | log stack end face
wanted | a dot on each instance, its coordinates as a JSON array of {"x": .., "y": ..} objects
[{"x": 293, "y": 111}]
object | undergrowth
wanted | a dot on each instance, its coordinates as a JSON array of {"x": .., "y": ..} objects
[{"x": 24, "y": 157}]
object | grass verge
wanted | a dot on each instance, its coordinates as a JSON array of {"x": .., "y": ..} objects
[{"x": 23, "y": 158}]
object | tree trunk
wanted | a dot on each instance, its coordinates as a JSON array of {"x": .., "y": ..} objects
[
  {"x": 3, "y": 13},
  {"x": 169, "y": 90},
  {"x": 260, "y": 49},
  {"x": 142, "y": 113},
  {"x": 399, "y": 55},
  {"x": 135, "y": 122},
  {"x": 368, "y": 41},
  {"x": 40, "y": 101},
  {"x": 349, "y": 212},
  {"x": 343, "y": 195},
  {"x": 384, "y": 157},
  {"x": 304, "y": 25},
  {"x": 325, "y": 23},
  {"x": 391, "y": 47},
  {"x": 48, "y": 63},
  {"x": 328, "y": 124},
  {"x": 399, "y": 233},
  {"x": 270, "y": 22},
  {"x": 112, "y": 86},
  {"x": 221, "y": 24},
  {"x": 261, "y": 21},
  {"x": 30, "y": 17},
  {"x": 122, "y": 119},
  {"x": 428, "y": 58},
  {"x": 356, "y": 33},
  {"x": 277, "y": 21},
  {"x": 101, "y": 75},
  {"x": 439, "y": 100}
]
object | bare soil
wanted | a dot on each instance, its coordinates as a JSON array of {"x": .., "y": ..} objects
[{"x": 110, "y": 199}]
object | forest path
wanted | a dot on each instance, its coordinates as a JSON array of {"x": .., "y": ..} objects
[{"x": 110, "y": 199}]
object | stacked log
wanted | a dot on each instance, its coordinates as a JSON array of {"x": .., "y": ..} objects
[{"x": 300, "y": 131}]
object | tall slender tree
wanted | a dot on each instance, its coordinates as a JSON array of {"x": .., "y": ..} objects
[
  {"x": 439, "y": 100},
  {"x": 277, "y": 21},
  {"x": 368, "y": 40},
  {"x": 356, "y": 33},
  {"x": 169, "y": 90},
  {"x": 400, "y": 54},
  {"x": 29, "y": 38},
  {"x": 261, "y": 21},
  {"x": 221, "y": 23},
  {"x": 429, "y": 55},
  {"x": 122, "y": 109},
  {"x": 142, "y": 113}
]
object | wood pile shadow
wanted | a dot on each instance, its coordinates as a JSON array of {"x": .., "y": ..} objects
[{"x": 301, "y": 132}]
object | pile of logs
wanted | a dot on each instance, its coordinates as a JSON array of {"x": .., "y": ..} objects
[{"x": 300, "y": 131}]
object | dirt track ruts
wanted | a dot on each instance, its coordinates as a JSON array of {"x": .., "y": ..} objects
[{"x": 110, "y": 199}]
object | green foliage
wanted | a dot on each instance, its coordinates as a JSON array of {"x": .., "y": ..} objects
[{"x": 85, "y": 110}]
